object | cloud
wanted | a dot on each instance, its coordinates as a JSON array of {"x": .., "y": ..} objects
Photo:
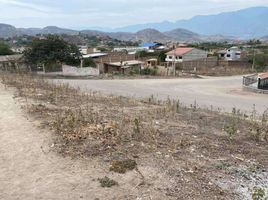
[
  {"x": 111, "y": 13},
  {"x": 25, "y": 5}
]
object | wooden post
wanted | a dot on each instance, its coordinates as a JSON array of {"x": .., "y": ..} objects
[{"x": 81, "y": 63}]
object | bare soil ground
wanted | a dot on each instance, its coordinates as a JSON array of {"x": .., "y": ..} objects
[{"x": 63, "y": 140}]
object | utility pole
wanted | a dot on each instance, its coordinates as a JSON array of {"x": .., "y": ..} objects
[
  {"x": 174, "y": 62},
  {"x": 254, "y": 58},
  {"x": 81, "y": 63}
]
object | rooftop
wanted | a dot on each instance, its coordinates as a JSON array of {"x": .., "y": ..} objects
[
  {"x": 179, "y": 51},
  {"x": 10, "y": 58},
  {"x": 126, "y": 64},
  {"x": 263, "y": 75},
  {"x": 149, "y": 44},
  {"x": 94, "y": 55}
]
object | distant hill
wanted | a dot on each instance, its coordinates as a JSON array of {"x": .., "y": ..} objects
[
  {"x": 183, "y": 35},
  {"x": 57, "y": 30},
  {"x": 246, "y": 23},
  {"x": 151, "y": 35},
  {"x": 7, "y": 30},
  {"x": 146, "y": 35},
  {"x": 264, "y": 38}
]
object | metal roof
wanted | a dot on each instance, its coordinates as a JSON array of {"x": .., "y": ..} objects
[
  {"x": 149, "y": 44},
  {"x": 180, "y": 51},
  {"x": 95, "y": 55}
]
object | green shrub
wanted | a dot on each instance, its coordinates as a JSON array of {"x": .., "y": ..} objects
[
  {"x": 123, "y": 166},
  {"x": 107, "y": 182}
]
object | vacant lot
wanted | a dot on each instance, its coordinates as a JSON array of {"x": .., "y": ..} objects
[
  {"x": 67, "y": 144},
  {"x": 220, "y": 92}
]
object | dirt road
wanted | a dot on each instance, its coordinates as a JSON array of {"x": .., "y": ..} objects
[
  {"x": 27, "y": 169},
  {"x": 220, "y": 92}
]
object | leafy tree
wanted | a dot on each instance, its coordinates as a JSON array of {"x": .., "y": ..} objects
[
  {"x": 260, "y": 61},
  {"x": 141, "y": 54},
  {"x": 103, "y": 49},
  {"x": 5, "y": 50},
  {"x": 89, "y": 62},
  {"x": 254, "y": 42},
  {"x": 162, "y": 56},
  {"x": 52, "y": 50}
]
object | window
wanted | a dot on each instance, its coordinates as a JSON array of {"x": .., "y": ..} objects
[
  {"x": 180, "y": 57},
  {"x": 228, "y": 55},
  {"x": 170, "y": 57},
  {"x": 237, "y": 54}
]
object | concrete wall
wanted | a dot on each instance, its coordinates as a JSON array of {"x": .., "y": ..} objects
[
  {"x": 200, "y": 64},
  {"x": 195, "y": 54},
  {"x": 238, "y": 64},
  {"x": 74, "y": 71}
]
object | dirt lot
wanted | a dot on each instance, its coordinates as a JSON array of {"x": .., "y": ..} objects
[
  {"x": 59, "y": 143},
  {"x": 30, "y": 169},
  {"x": 220, "y": 92}
]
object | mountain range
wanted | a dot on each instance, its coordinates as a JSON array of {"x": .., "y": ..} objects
[
  {"x": 229, "y": 26},
  {"x": 145, "y": 35},
  {"x": 247, "y": 23}
]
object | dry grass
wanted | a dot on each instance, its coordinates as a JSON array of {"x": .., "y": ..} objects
[{"x": 189, "y": 145}]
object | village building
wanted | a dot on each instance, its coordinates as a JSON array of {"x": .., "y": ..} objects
[
  {"x": 263, "y": 81},
  {"x": 231, "y": 54},
  {"x": 152, "y": 46},
  {"x": 10, "y": 62},
  {"x": 18, "y": 50},
  {"x": 95, "y": 55},
  {"x": 129, "y": 50},
  {"x": 124, "y": 67},
  {"x": 84, "y": 50},
  {"x": 104, "y": 59},
  {"x": 152, "y": 62},
  {"x": 185, "y": 54}
]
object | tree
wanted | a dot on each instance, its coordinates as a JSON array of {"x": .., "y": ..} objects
[
  {"x": 52, "y": 51},
  {"x": 141, "y": 54},
  {"x": 162, "y": 56},
  {"x": 89, "y": 62},
  {"x": 5, "y": 50}
]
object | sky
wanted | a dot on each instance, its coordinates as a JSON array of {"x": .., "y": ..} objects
[{"x": 81, "y": 14}]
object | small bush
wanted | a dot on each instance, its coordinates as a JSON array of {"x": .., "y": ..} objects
[
  {"x": 258, "y": 194},
  {"x": 149, "y": 71},
  {"x": 123, "y": 166},
  {"x": 107, "y": 182},
  {"x": 230, "y": 129}
]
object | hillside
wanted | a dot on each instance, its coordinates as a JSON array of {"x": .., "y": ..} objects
[
  {"x": 246, "y": 23},
  {"x": 7, "y": 30},
  {"x": 181, "y": 35}
]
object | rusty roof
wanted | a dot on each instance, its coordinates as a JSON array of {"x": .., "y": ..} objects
[{"x": 263, "y": 75}]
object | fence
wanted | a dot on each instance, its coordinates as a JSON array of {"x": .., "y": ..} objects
[{"x": 249, "y": 80}]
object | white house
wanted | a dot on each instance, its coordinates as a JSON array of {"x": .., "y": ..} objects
[
  {"x": 185, "y": 54},
  {"x": 234, "y": 53}
]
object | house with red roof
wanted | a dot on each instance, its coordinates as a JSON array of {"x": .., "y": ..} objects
[
  {"x": 263, "y": 81},
  {"x": 185, "y": 54}
]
